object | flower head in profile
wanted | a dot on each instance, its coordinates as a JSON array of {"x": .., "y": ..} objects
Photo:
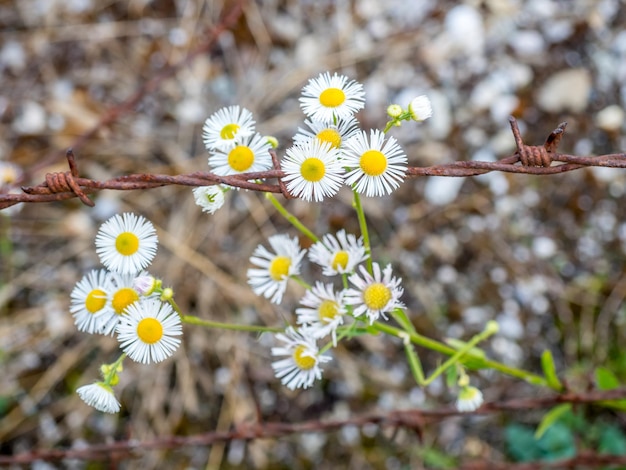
[
  {"x": 323, "y": 311},
  {"x": 100, "y": 396},
  {"x": 338, "y": 254},
  {"x": 469, "y": 399},
  {"x": 331, "y": 98},
  {"x": 312, "y": 170},
  {"x": 148, "y": 332},
  {"x": 91, "y": 301},
  {"x": 376, "y": 167},
  {"x": 248, "y": 154},
  {"x": 300, "y": 366},
  {"x": 210, "y": 198},
  {"x": 223, "y": 128},
  {"x": 420, "y": 108},
  {"x": 273, "y": 270},
  {"x": 335, "y": 134},
  {"x": 374, "y": 295},
  {"x": 126, "y": 243}
]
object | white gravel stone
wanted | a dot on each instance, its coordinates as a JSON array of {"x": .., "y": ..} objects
[
  {"x": 610, "y": 118},
  {"x": 567, "y": 90}
]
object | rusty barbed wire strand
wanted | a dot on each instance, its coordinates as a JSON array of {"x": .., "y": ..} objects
[
  {"x": 415, "y": 419},
  {"x": 532, "y": 159}
]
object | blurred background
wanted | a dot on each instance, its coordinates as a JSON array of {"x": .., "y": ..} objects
[{"x": 544, "y": 256}]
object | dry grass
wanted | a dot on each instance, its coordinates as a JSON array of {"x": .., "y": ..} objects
[{"x": 81, "y": 59}]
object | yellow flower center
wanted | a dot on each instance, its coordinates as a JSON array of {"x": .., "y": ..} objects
[
  {"x": 95, "y": 300},
  {"x": 229, "y": 131},
  {"x": 340, "y": 260},
  {"x": 303, "y": 362},
  {"x": 327, "y": 311},
  {"x": 279, "y": 267},
  {"x": 332, "y": 97},
  {"x": 241, "y": 158},
  {"x": 373, "y": 162},
  {"x": 127, "y": 243},
  {"x": 123, "y": 298},
  {"x": 150, "y": 330},
  {"x": 331, "y": 136},
  {"x": 313, "y": 169},
  {"x": 376, "y": 296}
]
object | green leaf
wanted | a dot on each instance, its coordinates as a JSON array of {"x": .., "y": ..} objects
[
  {"x": 558, "y": 443},
  {"x": 605, "y": 379},
  {"x": 549, "y": 370},
  {"x": 612, "y": 441},
  {"x": 551, "y": 417},
  {"x": 521, "y": 444}
]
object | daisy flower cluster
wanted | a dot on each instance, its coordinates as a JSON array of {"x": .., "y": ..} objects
[
  {"x": 234, "y": 147},
  {"x": 332, "y": 150},
  {"x": 328, "y": 152},
  {"x": 326, "y": 311},
  {"x": 124, "y": 300}
]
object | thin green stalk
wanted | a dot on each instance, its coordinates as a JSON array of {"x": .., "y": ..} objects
[
  {"x": 447, "y": 350},
  {"x": 192, "y": 320},
  {"x": 364, "y": 232},
  {"x": 456, "y": 356},
  {"x": 292, "y": 219}
]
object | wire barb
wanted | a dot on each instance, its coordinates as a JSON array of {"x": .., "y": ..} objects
[
  {"x": 537, "y": 155},
  {"x": 62, "y": 182}
]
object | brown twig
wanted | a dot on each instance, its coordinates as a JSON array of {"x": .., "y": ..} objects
[
  {"x": 411, "y": 419},
  {"x": 533, "y": 160}
]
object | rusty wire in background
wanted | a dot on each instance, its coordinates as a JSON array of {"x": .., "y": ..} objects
[{"x": 532, "y": 159}]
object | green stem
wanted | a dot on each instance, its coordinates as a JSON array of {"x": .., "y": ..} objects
[
  {"x": 447, "y": 350},
  {"x": 113, "y": 370},
  {"x": 456, "y": 356},
  {"x": 192, "y": 320},
  {"x": 364, "y": 232},
  {"x": 292, "y": 219}
]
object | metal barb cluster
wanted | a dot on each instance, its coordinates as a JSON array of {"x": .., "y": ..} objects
[{"x": 536, "y": 155}]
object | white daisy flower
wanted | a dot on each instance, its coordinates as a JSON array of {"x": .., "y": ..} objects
[
  {"x": 250, "y": 154},
  {"x": 126, "y": 244},
  {"x": 271, "y": 279},
  {"x": 91, "y": 301},
  {"x": 100, "y": 396},
  {"x": 324, "y": 311},
  {"x": 301, "y": 366},
  {"x": 374, "y": 295},
  {"x": 123, "y": 294},
  {"x": 420, "y": 108},
  {"x": 147, "y": 331},
  {"x": 335, "y": 135},
  {"x": 469, "y": 399},
  {"x": 210, "y": 198},
  {"x": 375, "y": 167},
  {"x": 329, "y": 99},
  {"x": 338, "y": 255},
  {"x": 312, "y": 170},
  {"x": 222, "y": 128}
]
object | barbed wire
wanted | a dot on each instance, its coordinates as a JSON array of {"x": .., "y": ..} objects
[
  {"x": 411, "y": 419},
  {"x": 528, "y": 159}
]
